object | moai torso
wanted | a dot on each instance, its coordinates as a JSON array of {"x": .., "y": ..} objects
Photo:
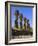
[
  {"x": 21, "y": 17},
  {"x": 16, "y": 20},
  {"x": 28, "y": 25},
  {"x": 25, "y": 23}
]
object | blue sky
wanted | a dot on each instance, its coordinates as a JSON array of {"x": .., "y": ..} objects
[{"x": 26, "y": 11}]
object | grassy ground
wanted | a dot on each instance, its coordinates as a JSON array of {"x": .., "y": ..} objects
[{"x": 21, "y": 32}]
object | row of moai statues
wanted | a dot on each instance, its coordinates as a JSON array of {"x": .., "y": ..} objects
[{"x": 26, "y": 22}]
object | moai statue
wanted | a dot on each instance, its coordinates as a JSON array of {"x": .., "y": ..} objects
[
  {"x": 28, "y": 25},
  {"x": 25, "y": 23},
  {"x": 16, "y": 20},
  {"x": 21, "y": 16}
]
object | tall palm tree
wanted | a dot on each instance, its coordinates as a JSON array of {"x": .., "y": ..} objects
[
  {"x": 16, "y": 21},
  {"x": 21, "y": 16}
]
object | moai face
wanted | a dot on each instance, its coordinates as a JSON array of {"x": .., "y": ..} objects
[
  {"x": 17, "y": 13},
  {"x": 21, "y": 17},
  {"x": 27, "y": 21}
]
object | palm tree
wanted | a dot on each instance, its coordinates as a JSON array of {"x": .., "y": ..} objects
[
  {"x": 16, "y": 21},
  {"x": 21, "y": 16}
]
